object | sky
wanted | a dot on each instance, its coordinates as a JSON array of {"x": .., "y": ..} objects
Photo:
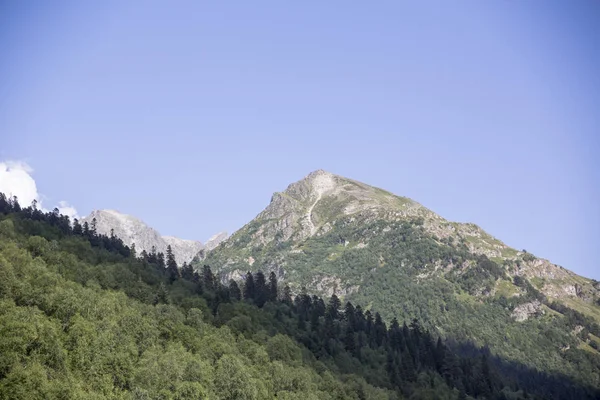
[{"x": 189, "y": 115}]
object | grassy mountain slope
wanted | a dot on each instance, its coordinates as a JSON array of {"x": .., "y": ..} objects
[{"x": 335, "y": 235}]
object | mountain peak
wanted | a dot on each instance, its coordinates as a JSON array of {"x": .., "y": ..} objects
[{"x": 133, "y": 230}]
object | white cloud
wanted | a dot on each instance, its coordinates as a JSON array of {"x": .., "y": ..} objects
[
  {"x": 16, "y": 180},
  {"x": 67, "y": 209}
]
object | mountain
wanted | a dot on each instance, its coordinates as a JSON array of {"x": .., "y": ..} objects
[
  {"x": 330, "y": 234},
  {"x": 132, "y": 230},
  {"x": 83, "y": 317}
]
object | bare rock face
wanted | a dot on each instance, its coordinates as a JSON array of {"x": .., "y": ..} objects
[
  {"x": 215, "y": 240},
  {"x": 132, "y": 230},
  {"x": 184, "y": 250},
  {"x": 525, "y": 311}
]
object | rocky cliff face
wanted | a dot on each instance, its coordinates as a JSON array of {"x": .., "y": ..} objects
[{"x": 132, "y": 230}]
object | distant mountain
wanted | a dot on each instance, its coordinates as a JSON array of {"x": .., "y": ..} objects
[
  {"x": 132, "y": 230},
  {"x": 331, "y": 234}
]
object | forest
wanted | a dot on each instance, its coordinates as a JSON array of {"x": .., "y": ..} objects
[{"x": 83, "y": 316}]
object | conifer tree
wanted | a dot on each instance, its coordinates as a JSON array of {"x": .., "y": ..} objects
[
  {"x": 260, "y": 287},
  {"x": 208, "y": 278},
  {"x": 187, "y": 272},
  {"x": 249, "y": 289},
  {"x": 92, "y": 227},
  {"x": 77, "y": 229},
  {"x": 333, "y": 308},
  {"x": 287, "y": 295},
  {"x": 160, "y": 262},
  {"x": 172, "y": 269},
  {"x": 272, "y": 290},
  {"x": 234, "y": 291},
  {"x": 162, "y": 295}
]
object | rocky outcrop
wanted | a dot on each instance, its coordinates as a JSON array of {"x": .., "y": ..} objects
[
  {"x": 215, "y": 240},
  {"x": 184, "y": 250},
  {"x": 525, "y": 311},
  {"x": 132, "y": 230}
]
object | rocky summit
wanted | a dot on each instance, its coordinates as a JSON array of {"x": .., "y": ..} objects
[
  {"x": 327, "y": 234},
  {"x": 132, "y": 230}
]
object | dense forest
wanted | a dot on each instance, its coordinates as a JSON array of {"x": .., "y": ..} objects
[{"x": 83, "y": 316}]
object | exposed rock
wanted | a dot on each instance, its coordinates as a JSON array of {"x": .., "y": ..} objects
[
  {"x": 184, "y": 250},
  {"x": 525, "y": 311},
  {"x": 132, "y": 230},
  {"x": 215, "y": 240}
]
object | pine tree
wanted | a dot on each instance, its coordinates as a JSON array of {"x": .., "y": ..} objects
[
  {"x": 333, "y": 308},
  {"x": 273, "y": 294},
  {"x": 249, "y": 289},
  {"x": 132, "y": 250},
  {"x": 260, "y": 287},
  {"x": 369, "y": 322},
  {"x": 359, "y": 319},
  {"x": 92, "y": 228},
  {"x": 160, "y": 262},
  {"x": 380, "y": 330},
  {"x": 162, "y": 295},
  {"x": 172, "y": 269},
  {"x": 349, "y": 315},
  {"x": 187, "y": 272},
  {"x": 209, "y": 280},
  {"x": 14, "y": 202},
  {"x": 234, "y": 291},
  {"x": 317, "y": 311},
  {"x": 287, "y": 295},
  {"x": 77, "y": 229}
]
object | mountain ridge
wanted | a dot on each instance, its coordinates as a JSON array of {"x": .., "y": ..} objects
[
  {"x": 132, "y": 230},
  {"x": 292, "y": 214}
]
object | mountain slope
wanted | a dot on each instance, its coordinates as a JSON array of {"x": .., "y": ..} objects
[
  {"x": 82, "y": 318},
  {"x": 334, "y": 235},
  {"x": 132, "y": 230}
]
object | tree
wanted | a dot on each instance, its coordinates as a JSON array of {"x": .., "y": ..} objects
[
  {"x": 162, "y": 295},
  {"x": 172, "y": 268},
  {"x": 249, "y": 289},
  {"x": 209, "y": 280},
  {"x": 272, "y": 290},
  {"x": 234, "y": 291},
  {"x": 93, "y": 227},
  {"x": 160, "y": 261},
  {"x": 333, "y": 308},
  {"x": 15, "y": 204},
  {"x": 380, "y": 330},
  {"x": 77, "y": 229},
  {"x": 187, "y": 272},
  {"x": 260, "y": 287},
  {"x": 287, "y": 295}
]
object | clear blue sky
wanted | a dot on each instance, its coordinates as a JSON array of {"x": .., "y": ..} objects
[{"x": 190, "y": 115}]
